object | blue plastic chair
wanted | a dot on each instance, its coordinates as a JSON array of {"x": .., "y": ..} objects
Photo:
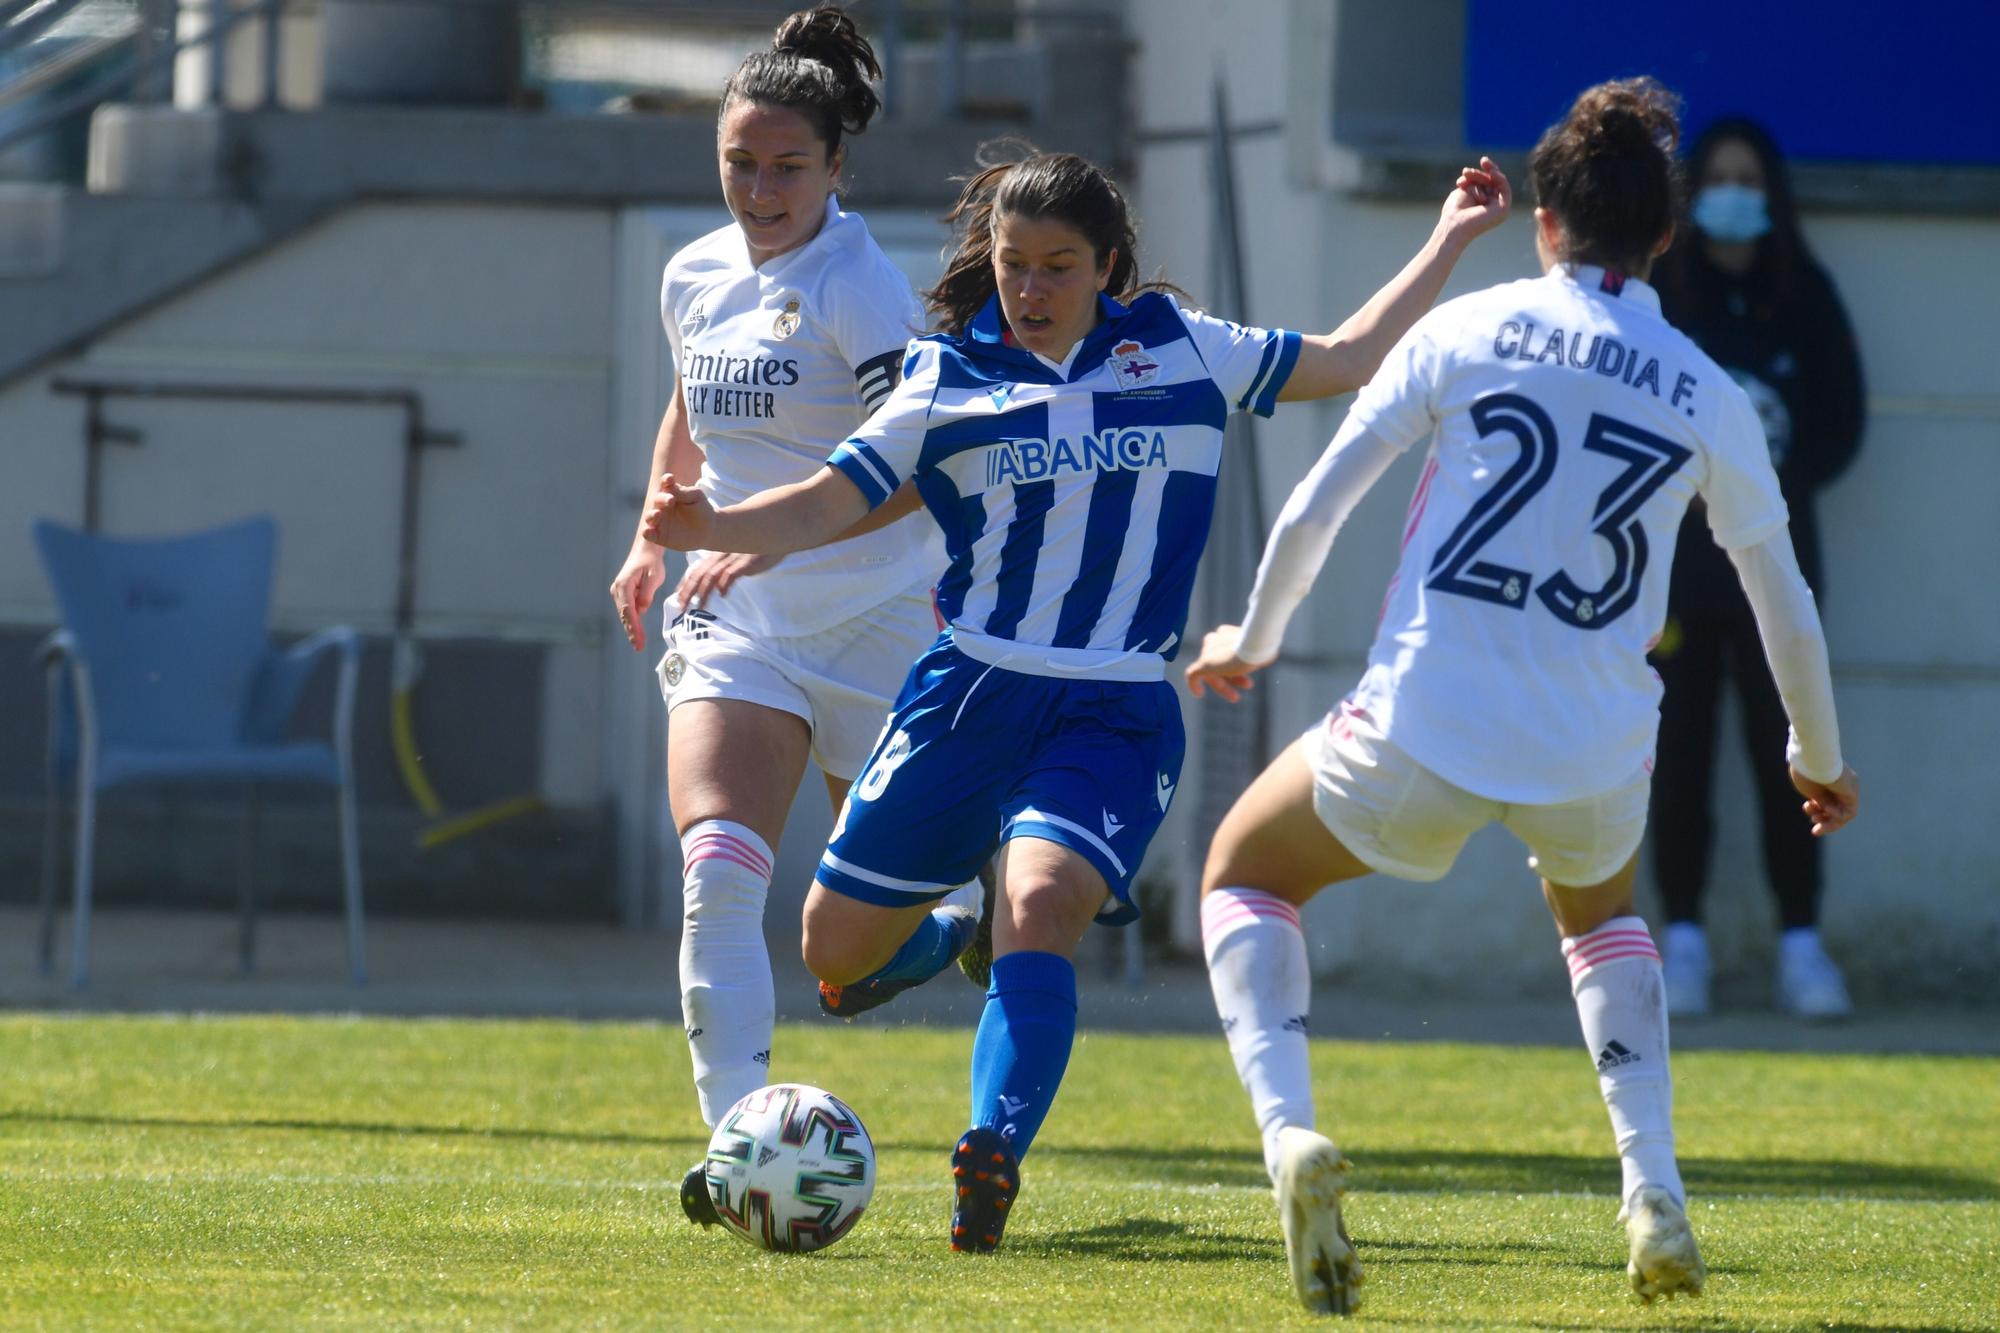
[{"x": 164, "y": 673}]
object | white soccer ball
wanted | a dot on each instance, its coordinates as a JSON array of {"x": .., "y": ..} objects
[{"x": 790, "y": 1168}]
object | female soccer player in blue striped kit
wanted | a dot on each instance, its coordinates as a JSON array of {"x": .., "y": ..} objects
[
  {"x": 1570, "y": 428},
  {"x": 1065, "y": 429}
]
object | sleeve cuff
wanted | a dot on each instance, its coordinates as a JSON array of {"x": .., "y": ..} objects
[
  {"x": 866, "y": 469},
  {"x": 1820, "y": 768},
  {"x": 1263, "y": 396}
]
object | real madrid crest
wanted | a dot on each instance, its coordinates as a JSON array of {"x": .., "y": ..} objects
[
  {"x": 673, "y": 668},
  {"x": 788, "y": 320}
]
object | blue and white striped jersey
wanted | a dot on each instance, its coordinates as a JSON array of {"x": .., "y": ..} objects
[{"x": 1075, "y": 502}]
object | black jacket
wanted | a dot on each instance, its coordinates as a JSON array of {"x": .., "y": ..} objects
[{"x": 1796, "y": 357}]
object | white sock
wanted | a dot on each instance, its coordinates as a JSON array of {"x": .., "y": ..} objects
[
  {"x": 727, "y": 1004},
  {"x": 1621, "y": 999},
  {"x": 1263, "y": 990},
  {"x": 971, "y": 897}
]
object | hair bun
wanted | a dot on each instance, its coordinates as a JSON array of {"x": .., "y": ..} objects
[
  {"x": 1629, "y": 116},
  {"x": 825, "y": 34}
]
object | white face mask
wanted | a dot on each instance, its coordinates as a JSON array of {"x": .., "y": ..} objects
[{"x": 1732, "y": 214}]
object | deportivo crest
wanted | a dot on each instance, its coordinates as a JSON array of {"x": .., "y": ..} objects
[
  {"x": 787, "y": 322},
  {"x": 1130, "y": 365},
  {"x": 673, "y": 669}
]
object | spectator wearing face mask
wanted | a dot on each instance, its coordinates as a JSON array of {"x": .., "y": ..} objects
[{"x": 1742, "y": 284}]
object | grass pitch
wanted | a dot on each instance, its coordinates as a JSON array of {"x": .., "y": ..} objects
[{"x": 275, "y": 1172}]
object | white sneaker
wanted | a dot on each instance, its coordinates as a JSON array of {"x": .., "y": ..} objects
[
  {"x": 1312, "y": 1177},
  {"x": 1809, "y": 983},
  {"x": 1664, "y": 1259},
  {"x": 1685, "y": 964}
]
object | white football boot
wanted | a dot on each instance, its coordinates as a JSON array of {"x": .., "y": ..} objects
[
  {"x": 1312, "y": 1177},
  {"x": 1664, "y": 1259}
]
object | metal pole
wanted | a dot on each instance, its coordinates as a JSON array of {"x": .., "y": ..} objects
[
  {"x": 93, "y": 441},
  {"x": 216, "y": 37},
  {"x": 274, "y": 17},
  {"x": 951, "y": 75},
  {"x": 892, "y": 56}
]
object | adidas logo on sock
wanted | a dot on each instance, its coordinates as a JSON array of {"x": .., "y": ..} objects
[
  {"x": 761, "y": 1058},
  {"x": 1613, "y": 1055},
  {"x": 695, "y": 1032},
  {"x": 1296, "y": 1023}
]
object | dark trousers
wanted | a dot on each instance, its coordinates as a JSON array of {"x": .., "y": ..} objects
[{"x": 1718, "y": 643}]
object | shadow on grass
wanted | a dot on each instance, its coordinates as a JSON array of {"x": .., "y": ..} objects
[
  {"x": 1384, "y": 1170},
  {"x": 1422, "y": 1170},
  {"x": 1158, "y": 1240},
  {"x": 18, "y": 1117}
]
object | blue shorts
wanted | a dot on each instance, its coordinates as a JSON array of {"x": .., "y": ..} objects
[{"x": 976, "y": 754}]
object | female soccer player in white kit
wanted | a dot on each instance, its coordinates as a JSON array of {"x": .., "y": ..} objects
[
  {"x": 1570, "y": 427},
  {"x": 787, "y": 326},
  {"x": 1066, "y": 428}
]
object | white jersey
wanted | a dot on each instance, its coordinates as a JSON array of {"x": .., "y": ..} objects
[
  {"x": 778, "y": 365},
  {"x": 1570, "y": 427}
]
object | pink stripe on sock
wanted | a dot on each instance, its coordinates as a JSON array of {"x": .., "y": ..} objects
[
  {"x": 1612, "y": 942},
  {"x": 1579, "y": 966},
  {"x": 1263, "y": 905},
  {"x": 705, "y": 842},
  {"x": 722, "y": 854},
  {"x": 1241, "y": 913},
  {"x": 1225, "y": 911}
]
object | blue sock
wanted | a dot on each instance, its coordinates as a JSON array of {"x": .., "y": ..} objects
[
  {"x": 1023, "y": 1044},
  {"x": 938, "y": 939}
]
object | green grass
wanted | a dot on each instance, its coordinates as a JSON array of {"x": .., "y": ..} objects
[{"x": 166, "y": 1172}]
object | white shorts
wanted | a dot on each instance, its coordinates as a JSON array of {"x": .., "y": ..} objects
[
  {"x": 1404, "y": 820},
  {"x": 842, "y": 681}
]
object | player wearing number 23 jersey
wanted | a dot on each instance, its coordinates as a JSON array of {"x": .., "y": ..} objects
[{"x": 1569, "y": 427}]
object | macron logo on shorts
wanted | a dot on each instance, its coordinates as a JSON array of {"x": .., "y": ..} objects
[{"x": 1111, "y": 825}]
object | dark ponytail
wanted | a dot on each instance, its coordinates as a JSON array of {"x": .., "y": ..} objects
[
  {"x": 1059, "y": 186},
  {"x": 818, "y": 65},
  {"x": 1608, "y": 172}
]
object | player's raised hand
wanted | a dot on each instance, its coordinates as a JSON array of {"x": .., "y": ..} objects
[
  {"x": 714, "y": 573},
  {"x": 633, "y": 590},
  {"x": 1218, "y": 668},
  {"x": 1829, "y": 806},
  {"x": 678, "y": 516},
  {"x": 1480, "y": 200}
]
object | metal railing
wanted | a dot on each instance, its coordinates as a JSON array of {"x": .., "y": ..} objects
[{"x": 893, "y": 25}]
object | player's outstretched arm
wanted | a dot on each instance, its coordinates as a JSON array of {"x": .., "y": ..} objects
[
  {"x": 1795, "y": 646},
  {"x": 716, "y": 573},
  {"x": 1347, "y": 358},
  {"x": 785, "y": 518},
  {"x": 644, "y": 572},
  {"x": 1298, "y": 545},
  {"x": 1218, "y": 667}
]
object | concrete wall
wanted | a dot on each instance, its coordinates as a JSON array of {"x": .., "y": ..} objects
[
  {"x": 533, "y": 333},
  {"x": 1914, "y": 631},
  {"x": 500, "y": 317}
]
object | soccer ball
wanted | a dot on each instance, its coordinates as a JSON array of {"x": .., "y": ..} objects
[{"x": 790, "y": 1168}]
